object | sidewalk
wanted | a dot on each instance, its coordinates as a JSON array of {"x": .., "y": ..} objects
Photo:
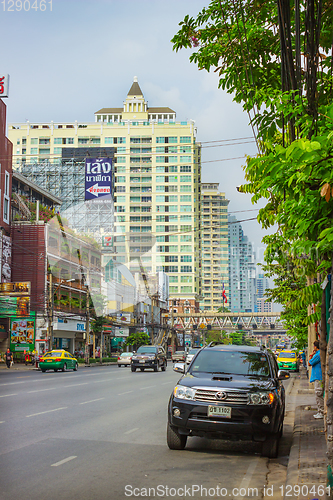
[{"x": 307, "y": 464}]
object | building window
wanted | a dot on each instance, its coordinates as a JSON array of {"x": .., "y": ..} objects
[
  {"x": 173, "y": 159},
  {"x": 186, "y": 208},
  {"x": 186, "y": 289},
  {"x": 173, "y": 279},
  {"x": 57, "y": 140},
  {"x": 186, "y": 258},
  {"x": 34, "y": 140},
  {"x": 160, "y": 169},
  {"x": 186, "y": 237},
  {"x": 186, "y": 248},
  {"x": 108, "y": 140},
  {"x": 185, "y": 140},
  {"x": 33, "y": 151},
  {"x": 121, "y": 189},
  {"x": 121, "y": 178},
  {"x": 185, "y": 149},
  {"x": 185, "y": 269},
  {"x": 173, "y": 269},
  {"x": 185, "y": 178},
  {"x": 185, "y": 168},
  {"x": 121, "y": 159},
  {"x": 172, "y": 140},
  {"x": 6, "y": 206},
  {"x": 173, "y": 289},
  {"x": 160, "y": 178},
  {"x": 173, "y": 198},
  {"x": 173, "y": 249},
  {"x": 184, "y": 189},
  {"x": 173, "y": 168}
]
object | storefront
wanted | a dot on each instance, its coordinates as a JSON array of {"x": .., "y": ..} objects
[{"x": 68, "y": 334}]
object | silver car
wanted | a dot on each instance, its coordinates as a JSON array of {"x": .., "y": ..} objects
[
  {"x": 124, "y": 359},
  {"x": 191, "y": 353}
]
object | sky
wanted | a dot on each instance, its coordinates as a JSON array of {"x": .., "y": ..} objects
[{"x": 68, "y": 62}]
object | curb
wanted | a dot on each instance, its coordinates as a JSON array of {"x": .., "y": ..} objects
[{"x": 293, "y": 462}]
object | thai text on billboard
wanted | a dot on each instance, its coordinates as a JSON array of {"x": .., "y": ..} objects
[{"x": 98, "y": 178}]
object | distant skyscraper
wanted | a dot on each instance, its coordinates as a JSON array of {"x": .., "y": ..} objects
[{"x": 242, "y": 269}]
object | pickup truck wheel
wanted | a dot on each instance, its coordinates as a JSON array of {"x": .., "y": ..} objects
[
  {"x": 156, "y": 368},
  {"x": 175, "y": 440},
  {"x": 270, "y": 447},
  {"x": 133, "y": 369},
  {"x": 142, "y": 369},
  {"x": 163, "y": 367}
]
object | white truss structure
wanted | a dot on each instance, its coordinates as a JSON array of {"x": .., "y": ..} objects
[{"x": 257, "y": 321}]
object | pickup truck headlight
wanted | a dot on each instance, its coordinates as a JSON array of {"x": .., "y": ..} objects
[
  {"x": 182, "y": 392},
  {"x": 261, "y": 398}
]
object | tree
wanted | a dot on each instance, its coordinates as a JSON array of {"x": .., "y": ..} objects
[
  {"x": 137, "y": 339},
  {"x": 257, "y": 51}
]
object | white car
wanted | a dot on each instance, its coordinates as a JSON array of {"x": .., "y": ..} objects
[
  {"x": 191, "y": 353},
  {"x": 125, "y": 359}
]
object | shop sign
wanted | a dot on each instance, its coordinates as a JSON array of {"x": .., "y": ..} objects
[
  {"x": 14, "y": 306},
  {"x": 4, "y": 85},
  {"x": 15, "y": 289},
  {"x": 22, "y": 334},
  {"x": 121, "y": 331}
]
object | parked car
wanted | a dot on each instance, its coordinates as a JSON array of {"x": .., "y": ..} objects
[
  {"x": 191, "y": 353},
  {"x": 124, "y": 359},
  {"x": 228, "y": 392},
  {"x": 149, "y": 356},
  {"x": 178, "y": 356},
  {"x": 58, "y": 359},
  {"x": 288, "y": 360}
]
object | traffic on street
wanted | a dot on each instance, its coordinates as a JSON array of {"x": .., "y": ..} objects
[{"x": 102, "y": 432}]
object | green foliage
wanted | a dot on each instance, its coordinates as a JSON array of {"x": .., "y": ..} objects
[
  {"x": 293, "y": 121},
  {"x": 217, "y": 336},
  {"x": 137, "y": 339}
]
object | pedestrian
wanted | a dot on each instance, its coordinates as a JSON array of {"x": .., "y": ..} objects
[
  {"x": 316, "y": 377},
  {"x": 303, "y": 356},
  {"x": 9, "y": 358}
]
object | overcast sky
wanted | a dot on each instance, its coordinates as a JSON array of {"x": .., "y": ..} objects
[{"x": 67, "y": 63}]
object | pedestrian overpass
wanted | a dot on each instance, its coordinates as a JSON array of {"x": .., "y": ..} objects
[{"x": 229, "y": 321}]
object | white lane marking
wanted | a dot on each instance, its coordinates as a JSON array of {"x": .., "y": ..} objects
[
  {"x": 48, "y": 411},
  {"x": 13, "y": 383},
  {"x": 63, "y": 461},
  {"x": 2, "y": 422},
  {"x": 104, "y": 380},
  {"x": 41, "y": 390},
  {"x": 91, "y": 401},
  {"x": 148, "y": 387},
  {"x": 74, "y": 385},
  {"x": 132, "y": 430},
  {"x": 6, "y": 395},
  {"x": 248, "y": 476},
  {"x": 122, "y": 393},
  {"x": 165, "y": 383}
]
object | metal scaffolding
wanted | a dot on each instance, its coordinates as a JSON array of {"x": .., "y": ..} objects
[{"x": 66, "y": 180}]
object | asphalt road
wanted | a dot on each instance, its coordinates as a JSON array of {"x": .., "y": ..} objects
[{"x": 100, "y": 433}]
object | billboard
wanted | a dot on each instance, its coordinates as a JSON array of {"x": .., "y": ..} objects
[
  {"x": 22, "y": 334},
  {"x": 98, "y": 178}
]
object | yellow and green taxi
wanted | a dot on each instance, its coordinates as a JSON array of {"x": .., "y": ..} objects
[
  {"x": 288, "y": 360},
  {"x": 58, "y": 359}
]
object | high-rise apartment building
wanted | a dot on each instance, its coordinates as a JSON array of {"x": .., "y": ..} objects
[
  {"x": 242, "y": 269},
  {"x": 214, "y": 247},
  {"x": 156, "y": 183}
]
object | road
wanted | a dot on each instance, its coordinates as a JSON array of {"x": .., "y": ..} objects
[{"x": 101, "y": 433}]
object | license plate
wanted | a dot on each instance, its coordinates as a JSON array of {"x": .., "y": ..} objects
[
  {"x": 142, "y": 361},
  {"x": 49, "y": 360},
  {"x": 219, "y": 411}
]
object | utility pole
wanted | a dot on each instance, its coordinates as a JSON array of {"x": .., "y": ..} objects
[
  {"x": 50, "y": 313},
  {"x": 86, "y": 352}
]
